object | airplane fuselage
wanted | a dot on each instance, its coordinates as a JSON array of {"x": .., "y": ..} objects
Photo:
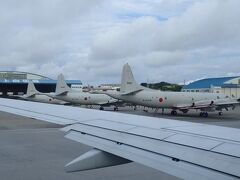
[
  {"x": 86, "y": 98},
  {"x": 43, "y": 98},
  {"x": 161, "y": 99}
]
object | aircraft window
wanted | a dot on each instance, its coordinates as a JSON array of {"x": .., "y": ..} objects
[
  {"x": 85, "y": 98},
  {"x": 165, "y": 98},
  {"x": 218, "y": 97}
]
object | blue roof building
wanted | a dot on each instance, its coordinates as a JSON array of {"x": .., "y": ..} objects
[
  {"x": 226, "y": 85},
  {"x": 15, "y": 82}
]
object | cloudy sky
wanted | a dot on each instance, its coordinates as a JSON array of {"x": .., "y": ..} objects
[{"x": 163, "y": 40}]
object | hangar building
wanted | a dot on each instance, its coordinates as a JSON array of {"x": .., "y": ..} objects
[
  {"x": 15, "y": 83},
  {"x": 227, "y": 85}
]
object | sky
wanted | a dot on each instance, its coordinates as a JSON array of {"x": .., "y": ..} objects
[{"x": 90, "y": 40}]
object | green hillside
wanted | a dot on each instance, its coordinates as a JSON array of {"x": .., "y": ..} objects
[{"x": 163, "y": 86}]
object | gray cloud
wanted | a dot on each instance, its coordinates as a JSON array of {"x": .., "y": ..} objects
[{"x": 91, "y": 40}]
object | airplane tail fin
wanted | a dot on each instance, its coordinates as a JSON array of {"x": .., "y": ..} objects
[
  {"x": 128, "y": 83},
  {"x": 31, "y": 90},
  {"x": 61, "y": 87}
]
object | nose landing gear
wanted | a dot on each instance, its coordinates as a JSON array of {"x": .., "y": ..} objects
[{"x": 173, "y": 112}]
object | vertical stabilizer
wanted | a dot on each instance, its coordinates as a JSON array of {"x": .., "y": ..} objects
[
  {"x": 128, "y": 83},
  {"x": 61, "y": 87},
  {"x": 31, "y": 90}
]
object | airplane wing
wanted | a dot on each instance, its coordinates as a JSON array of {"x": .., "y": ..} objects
[
  {"x": 183, "y": 149},
  {"x": 217, "y": 104},
  {"x": 115, "y": 102}
]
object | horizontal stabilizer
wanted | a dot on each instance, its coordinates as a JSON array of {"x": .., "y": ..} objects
[{"x": 94, "y": 159}]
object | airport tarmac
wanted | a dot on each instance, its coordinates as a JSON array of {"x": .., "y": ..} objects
[{"x": 32, "y": 149}]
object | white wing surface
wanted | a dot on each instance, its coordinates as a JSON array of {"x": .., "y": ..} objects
[{"x": 183, "y": 149}]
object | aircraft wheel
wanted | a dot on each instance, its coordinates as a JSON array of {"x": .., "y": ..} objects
[
  {"x": 185, "y": 111},
  {"x": 220, "y": 113},
  {"x": 101, "y": 108},
  {"x": 173, "y": 112},
  {"x": 205, "y": 114},
  {"x": 115, "y": 109}
]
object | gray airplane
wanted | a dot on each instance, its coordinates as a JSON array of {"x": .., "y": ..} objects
[
  {"x": 183, "y": 149},
  {"x": 34, "y": 95},
  {"x": 65, "y": 93},
  {"x": 134, "y": 93}
]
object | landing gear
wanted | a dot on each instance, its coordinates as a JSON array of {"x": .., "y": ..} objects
[
  {"x": 115, "y": 108},
  {"x": 156, "y": 110},
  {"x": 145, "y": 110},
  {"x": 185, "y": 111},
  {"x": 173, "y": 112},
  {"x": 101, "y": 108},
  {"x": 220, "y": 113},
  {"x": 203, "y": 114}
]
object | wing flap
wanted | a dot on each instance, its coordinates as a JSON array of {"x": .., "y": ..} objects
[
  {"x": 157, "y": 161},
  {"x": 211, "y": 160}
]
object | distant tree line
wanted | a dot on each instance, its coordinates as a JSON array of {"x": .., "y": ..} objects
[{"x": 163, "y": 86}]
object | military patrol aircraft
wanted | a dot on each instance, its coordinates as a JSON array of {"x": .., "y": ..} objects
[
  {"x": 34, "y": 95},
  {"x": 65, "y": 93},
  {"x": 134, "y": 93},
  {"x": 182, "y": 149}
]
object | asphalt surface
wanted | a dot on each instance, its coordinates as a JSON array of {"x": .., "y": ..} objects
[{"x": 33, "y": 149}]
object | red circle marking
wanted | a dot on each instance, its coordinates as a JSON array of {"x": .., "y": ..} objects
[{"x": 160, "y": 100}]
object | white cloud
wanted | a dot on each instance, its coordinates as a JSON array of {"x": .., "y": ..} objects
[{"x": 91, "y": 40}]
